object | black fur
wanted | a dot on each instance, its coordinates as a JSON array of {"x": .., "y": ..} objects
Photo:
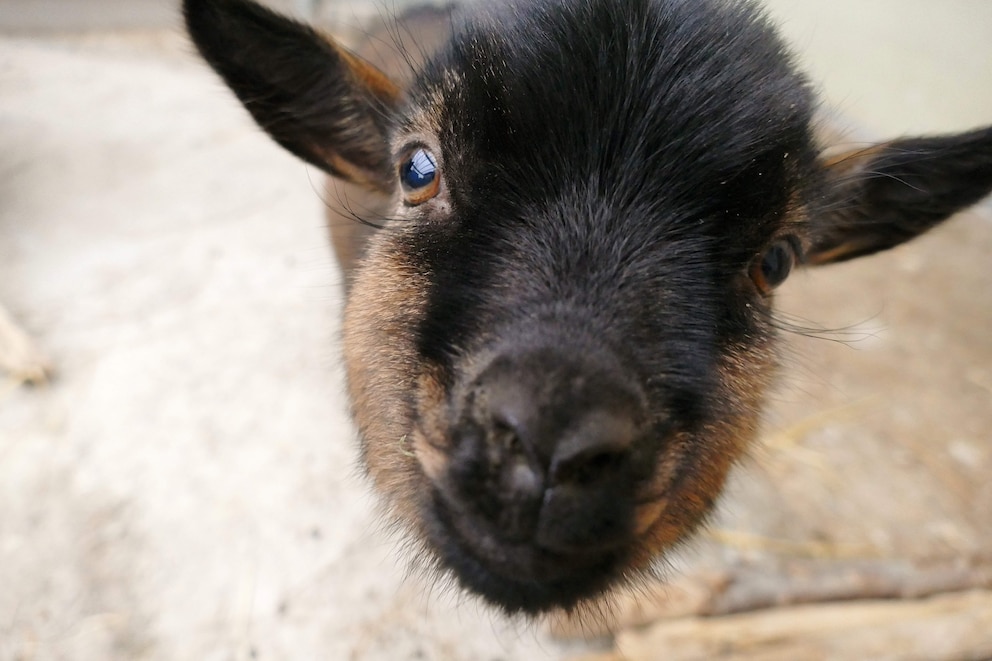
[
  {"x": 613, "y": 167},
  {"x": 685, "y": 138}
]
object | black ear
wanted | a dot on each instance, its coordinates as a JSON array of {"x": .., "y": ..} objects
[
  {"x": 879, "y": 197},
  {"x": 316, "y": 99}
]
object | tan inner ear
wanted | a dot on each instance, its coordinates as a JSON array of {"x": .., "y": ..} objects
[
  {"x": 828, "y": 256},
  {"x": 841, "y": 160},
  {"x": 349, "y": 171},
  {"x": 374, "y": 80},
  {"x": 380, "y": 86},
  {"x": 369, "y": 75}
]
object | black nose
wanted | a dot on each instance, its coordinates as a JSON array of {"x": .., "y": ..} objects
[{"x": 547, "y": 450}]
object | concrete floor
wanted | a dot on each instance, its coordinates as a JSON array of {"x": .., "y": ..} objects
[{"x": 186, "y": 488}]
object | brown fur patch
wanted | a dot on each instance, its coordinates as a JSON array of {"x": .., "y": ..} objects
[
  {"x": 349, "y": 235},
  {"x": 429, "y": 440},
  {"x": 833, "y": 254},
  {"x": 840, "y": 160},
  {"x": 699, "y": 464},
  {"x": 381, "y": 358},
  {"x": 349, "y": 171},
  {"x": 368, "y": 75}
]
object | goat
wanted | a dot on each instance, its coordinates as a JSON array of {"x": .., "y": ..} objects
[{"x": 558, "y": 332}]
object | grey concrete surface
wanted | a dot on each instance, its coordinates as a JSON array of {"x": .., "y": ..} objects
[{"x": 187, "y": 489}]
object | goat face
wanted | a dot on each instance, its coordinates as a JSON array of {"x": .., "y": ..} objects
[{"x": 557, "y": 344}]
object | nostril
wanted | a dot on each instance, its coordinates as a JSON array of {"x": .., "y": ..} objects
[
  {"x": 505, "y": 436},
  {"x": 520, "y": 486},
  {"x": 598, "y": 447},
  {"x": 521, "y": 476},
  {"x": 588, "y": 467},
  {"x": 589, "y": 503}
]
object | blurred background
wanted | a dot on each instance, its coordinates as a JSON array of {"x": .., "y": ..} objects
[
  {"x": 185, "y": 486},
  {"x": 905, "y": 63}
]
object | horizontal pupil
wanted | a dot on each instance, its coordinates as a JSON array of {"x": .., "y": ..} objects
[{"x": 419, "y": 170}]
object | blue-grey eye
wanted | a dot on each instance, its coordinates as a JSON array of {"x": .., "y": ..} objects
[
  {"x": 419, "y": 170},
  {"x": 773, "y": 266},
  {"x": 420, "y": 177}
]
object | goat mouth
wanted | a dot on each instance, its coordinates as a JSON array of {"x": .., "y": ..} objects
[{"x": 516, "y": 576}]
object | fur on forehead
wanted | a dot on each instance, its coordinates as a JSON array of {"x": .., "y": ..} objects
[{"x": 692, "y": 93}]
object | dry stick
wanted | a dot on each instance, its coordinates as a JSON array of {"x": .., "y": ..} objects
[
  {"x": 804, "y": 582},
  {"x": 746, "y": 588},
  {"x": 941, "y": 628}
]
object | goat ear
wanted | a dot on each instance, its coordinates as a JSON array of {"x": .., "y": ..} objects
[
  {"x": 316, "y": 99},
  {"x": 879, "y": 197}
]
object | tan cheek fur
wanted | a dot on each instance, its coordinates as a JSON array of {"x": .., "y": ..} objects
[
  {"x": 387, "y": 382},
  {"x": 746, "y": 373},
  {"x": 387, "y": 299},
  {"x": 430, "y": 441}
]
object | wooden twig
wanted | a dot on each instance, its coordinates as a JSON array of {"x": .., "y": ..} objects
[
  {"x": 745, "y": 588},
  {"x": 942, "y": 628}
]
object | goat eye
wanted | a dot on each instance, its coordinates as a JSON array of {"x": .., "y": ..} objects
[
  {"x": 773, "y": 266},
  {"x": 419, "y": 176}
]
